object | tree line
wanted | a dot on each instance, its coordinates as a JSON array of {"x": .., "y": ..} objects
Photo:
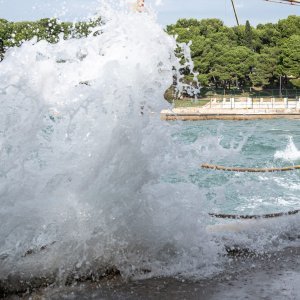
[
  {"x": 225, "y": 57},
  {"x": 242, "y": 56},
  {"x": 50, "y": 29}
]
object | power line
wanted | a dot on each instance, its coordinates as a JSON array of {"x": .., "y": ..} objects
[{"x": 288, "y": 2}]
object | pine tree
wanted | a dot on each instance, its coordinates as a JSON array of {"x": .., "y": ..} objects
[{"x": 248, "y": 39}]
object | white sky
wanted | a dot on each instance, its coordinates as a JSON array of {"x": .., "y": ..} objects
[{"x": 168, "y": 11}]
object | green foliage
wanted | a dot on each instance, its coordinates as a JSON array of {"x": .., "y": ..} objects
[
  {"x": 266, "y": 67},
  {"x": 242, "y": 56},
  {"x": 291, "y": 56},
  {"x": 289, "y": 26},
  {"x": 51, "y": 30},
  {"x": 234, "y": 65},
  {"x": 248, "y": 35},
  {"x": 296, "y": 82}
]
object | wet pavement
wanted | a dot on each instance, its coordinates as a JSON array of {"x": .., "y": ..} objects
[{"x": 270, "y": 276}]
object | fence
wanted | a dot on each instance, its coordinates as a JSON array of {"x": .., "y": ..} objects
[
  {"x": 272, "y": 93},
  {"x": 266, "y": 99},
  {"x": 252, "y": 103}
]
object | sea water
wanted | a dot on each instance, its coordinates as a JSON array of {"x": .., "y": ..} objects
[
  {"x": 248, "y": 144},
  {"x": 91, "y": 178}
]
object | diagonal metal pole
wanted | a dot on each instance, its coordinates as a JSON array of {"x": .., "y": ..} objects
[{"x": 236, "y": 17}]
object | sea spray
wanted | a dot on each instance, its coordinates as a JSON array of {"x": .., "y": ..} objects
[
  {"x": 291, "y": 153},
  {"x": 192, "y": 88},
  {"x": 82, "y": 151}
]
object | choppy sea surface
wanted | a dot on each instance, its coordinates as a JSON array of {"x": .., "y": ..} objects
[{"x": 248, "y": 144}]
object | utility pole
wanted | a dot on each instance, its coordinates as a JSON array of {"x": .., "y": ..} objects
[
  {"x": 1, "y": 49},
  {"x": 280, "y": 86},
  {"x": 236, "y": 17}
]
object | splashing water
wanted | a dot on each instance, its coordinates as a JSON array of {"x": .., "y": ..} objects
[
  {"x": 82, "y": 154},
  {"x": 291, "y": 153},
  {"x": 82, "y": 149}
]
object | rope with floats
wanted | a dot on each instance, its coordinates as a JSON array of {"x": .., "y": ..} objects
[
  {"x": 249, "y": 217},
  {"x": 253, "y": 170}
]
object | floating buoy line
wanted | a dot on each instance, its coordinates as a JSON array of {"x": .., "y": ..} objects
[
  {"x": 248, "y": 217},
  {"x": 253, "y": 170}
]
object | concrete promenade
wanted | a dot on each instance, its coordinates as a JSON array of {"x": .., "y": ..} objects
[{"x": 231, "y": 109}]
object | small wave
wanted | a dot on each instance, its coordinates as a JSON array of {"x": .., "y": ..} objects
[{"x": 291, "y": 153}]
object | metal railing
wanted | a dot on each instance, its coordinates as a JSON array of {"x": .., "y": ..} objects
[
  {"x": 254, "y": 103},
  {"x": 274, "y": 93},
  {"x": 230, "y": 102}
]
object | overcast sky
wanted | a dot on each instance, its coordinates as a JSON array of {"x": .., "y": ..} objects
[{"x": 168, "y": 11}]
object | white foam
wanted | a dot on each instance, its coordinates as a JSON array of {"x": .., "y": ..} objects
[
  {"x": 291, "y": 153},
  {"x": 82, "y": 150}
]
